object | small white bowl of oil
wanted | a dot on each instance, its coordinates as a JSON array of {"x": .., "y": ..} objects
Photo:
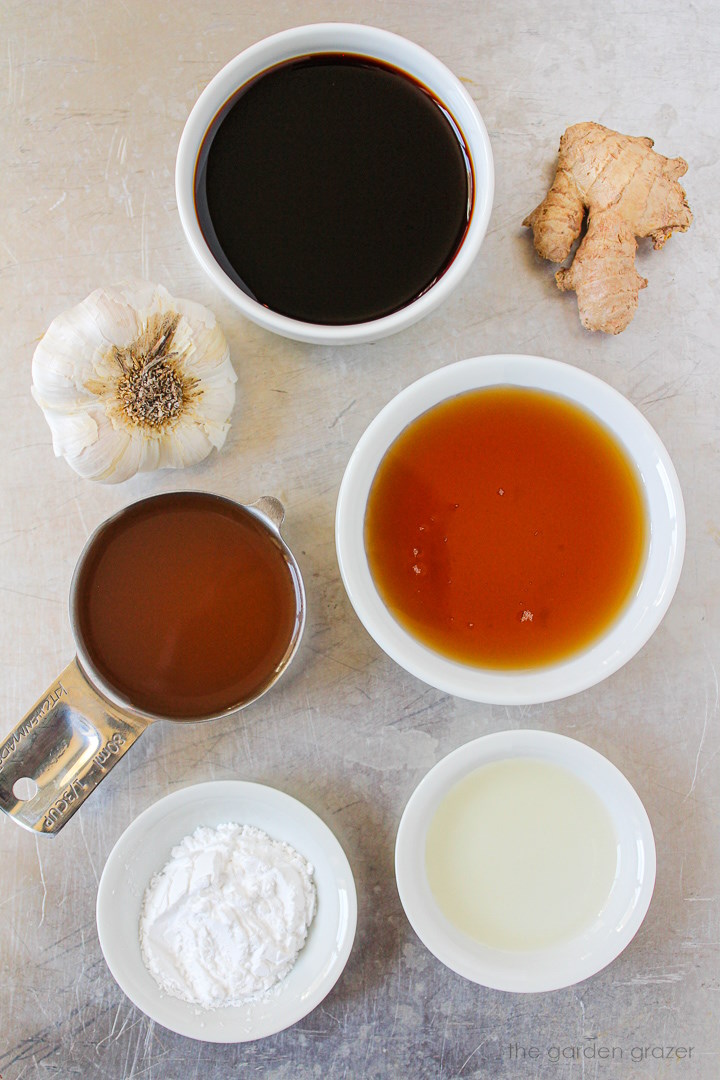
[{"x": 525, "y": 861}]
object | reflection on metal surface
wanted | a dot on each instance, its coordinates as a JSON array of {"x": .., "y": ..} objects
[{"x": 66, "y": 744}]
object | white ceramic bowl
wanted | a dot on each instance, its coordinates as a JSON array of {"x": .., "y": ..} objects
[
  {"x": 563, "y": 964},
  {"x": 144, "y": 848},
  {"x": 662, "y": 566},
  {"x": 367, "y": 41}
]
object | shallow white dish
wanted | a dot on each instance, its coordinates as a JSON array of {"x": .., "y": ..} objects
[
  {"x": 348, "y": 38},
  {"x": 529, "y": 971},
  {"x": 144, "y": 848},
  {"x": 660, "y": 575}
]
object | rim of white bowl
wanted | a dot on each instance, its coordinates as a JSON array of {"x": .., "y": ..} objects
[
  {"x": 369, "y": 41},
  {"x": 664, "y": 558},
  {"x": 143, "y": 849},
  {"x": 556, "y": 966}
]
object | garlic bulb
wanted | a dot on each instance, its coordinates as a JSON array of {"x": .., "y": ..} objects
[{"x": 131, "y": 380}]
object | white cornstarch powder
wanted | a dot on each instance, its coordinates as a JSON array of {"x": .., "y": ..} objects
[{"x": 226, "y": 917}]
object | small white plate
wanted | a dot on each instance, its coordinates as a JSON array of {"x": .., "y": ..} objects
[
  {"x": 568, "y": 962},
  {"x": 144, "y": 848}
]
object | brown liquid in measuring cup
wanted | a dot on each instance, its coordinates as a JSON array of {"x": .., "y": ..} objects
[{"x": 186, "y": 605}]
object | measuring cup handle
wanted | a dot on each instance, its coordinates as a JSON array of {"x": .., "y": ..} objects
[{"x": 60, "y": 751}]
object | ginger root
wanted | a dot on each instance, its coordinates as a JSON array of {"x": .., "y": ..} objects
[{"x": 628, "y": 190}]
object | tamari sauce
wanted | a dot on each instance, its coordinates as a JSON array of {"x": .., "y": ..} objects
[{"x": 333, "y": 188}]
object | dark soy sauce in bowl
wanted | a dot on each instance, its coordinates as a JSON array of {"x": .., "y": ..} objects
[{"x": 333, "y": 188}]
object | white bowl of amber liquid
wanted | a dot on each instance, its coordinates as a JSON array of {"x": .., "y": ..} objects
[{"x": 510, "y": 529}]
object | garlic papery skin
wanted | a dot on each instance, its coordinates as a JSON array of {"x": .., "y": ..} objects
[{"x": 132, "y": 380}]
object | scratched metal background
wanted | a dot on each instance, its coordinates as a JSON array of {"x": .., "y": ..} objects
[{"x": 94, "y": 96}]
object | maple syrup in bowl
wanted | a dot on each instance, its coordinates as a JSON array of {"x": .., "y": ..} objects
[{"x": 510, "y": 529}]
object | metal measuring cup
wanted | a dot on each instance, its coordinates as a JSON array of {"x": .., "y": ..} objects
[{"x": 80, "y": 727}]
